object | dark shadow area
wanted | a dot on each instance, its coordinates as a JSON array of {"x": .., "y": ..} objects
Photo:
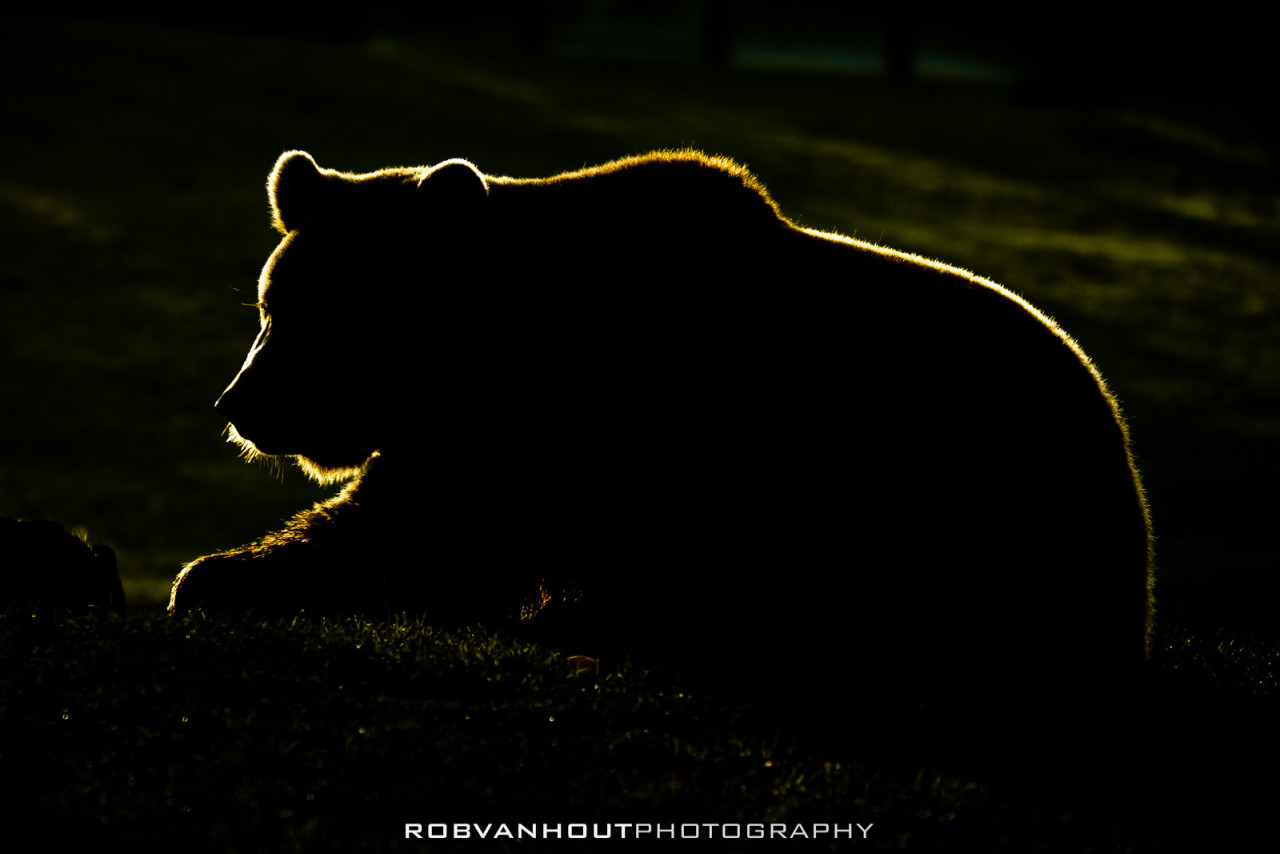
[{"x": 42, "y": 566}]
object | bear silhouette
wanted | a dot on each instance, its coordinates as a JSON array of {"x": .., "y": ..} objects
[{"x": 719, "y": 431}]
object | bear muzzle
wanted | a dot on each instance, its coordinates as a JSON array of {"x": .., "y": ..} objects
[{"x": 251, "y": 424}]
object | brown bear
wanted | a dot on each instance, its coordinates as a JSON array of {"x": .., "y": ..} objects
[{"x": 724, "y": 432}]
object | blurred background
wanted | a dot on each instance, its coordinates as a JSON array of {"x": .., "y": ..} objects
[{"x": 1117, "y": 171}]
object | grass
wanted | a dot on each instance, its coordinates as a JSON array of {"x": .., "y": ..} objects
[
  {"x": 234, "y": 735},
  {"x": 281, "y": 737},
  {"x": 133, "y": 223}
]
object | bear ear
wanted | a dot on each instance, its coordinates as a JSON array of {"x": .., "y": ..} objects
[
  {"x": 452, "y": 191},
  {"x": 295, "y": 189}
]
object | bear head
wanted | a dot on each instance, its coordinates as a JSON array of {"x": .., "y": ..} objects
[{"x": 352, "y": 305}]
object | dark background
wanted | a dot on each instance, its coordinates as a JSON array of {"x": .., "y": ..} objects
[{"x": 1118, "y": 171}]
